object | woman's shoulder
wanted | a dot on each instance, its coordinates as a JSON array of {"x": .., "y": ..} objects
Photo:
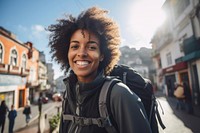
[{"x": 122, "y": 90}]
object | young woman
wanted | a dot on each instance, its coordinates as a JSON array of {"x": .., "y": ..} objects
[{"x": 88, "y": 48}]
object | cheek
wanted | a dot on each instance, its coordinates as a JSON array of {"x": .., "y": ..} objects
[
  {"x": 70, "y": 56},
  {"x": 97, "y": 57}
]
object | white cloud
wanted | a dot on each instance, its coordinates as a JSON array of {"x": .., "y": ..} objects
[
  {"x": 37, "y": 28},
  {"x": 38, "y": 32}
]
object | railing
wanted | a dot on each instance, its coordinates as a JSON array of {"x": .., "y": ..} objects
[
  {"x": 154, "y": 53},
  {"x": 24, "y": 72},
  {"x": 15, "y": 70},
  {"x": 3, "y": 68}
]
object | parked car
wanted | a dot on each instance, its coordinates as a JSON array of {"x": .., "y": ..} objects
[
  {"x": 45, "y": 99},
  {"x": 57, "y": 97}
]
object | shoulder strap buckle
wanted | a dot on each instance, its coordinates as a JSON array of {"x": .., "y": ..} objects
[
  {"x": 78, "y": 120},
  {"x": 103, "y": 122}
]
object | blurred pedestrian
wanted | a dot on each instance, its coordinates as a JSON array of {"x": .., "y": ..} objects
[
  {"x": 179, "y": 94},
  {"x": 188, "y": 98},
  {"x": 40, "y": 112},
  {"x": 27, "y": 112},
  {"x": 11, "y": 116},
  {"x": 40, "y": 103},
  {"x": 3, "y": 111}
]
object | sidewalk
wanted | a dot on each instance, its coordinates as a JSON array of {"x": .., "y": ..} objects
[
  {"x": 178, "y": 120},
  {"x": 48, "y": 111},
  {"x": 172, "y": 101},
  {"x": 44, "y": 120},
  {"x": 33, "y": 126}
]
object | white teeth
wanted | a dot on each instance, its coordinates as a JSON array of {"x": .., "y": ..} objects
[{"x": 82, "y": 63}]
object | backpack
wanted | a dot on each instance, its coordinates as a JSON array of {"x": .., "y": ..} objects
[{"x": 140, "y": 86}]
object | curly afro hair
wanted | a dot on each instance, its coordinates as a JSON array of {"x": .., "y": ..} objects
[{"x": 95, "y": 20}]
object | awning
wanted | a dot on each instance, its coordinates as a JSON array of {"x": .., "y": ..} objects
[
  {"x": 192, "y": 56},
  {"x": 176, "y": 67}
]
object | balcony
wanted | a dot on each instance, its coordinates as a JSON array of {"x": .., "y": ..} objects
[
  {"x": 3, "y": 68},
  {"x": 191, "y": 48},
  {"x": 165, "y": 40},
  {"x": 32, "y": 83},
  {"x": 14, "y": 70},
  {"x": 191, "y": 45},
  {"x": 155, "y": 53},
  {"x": 24, "y": 72}
]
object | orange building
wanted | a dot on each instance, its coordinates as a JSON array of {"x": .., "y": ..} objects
[
  {"x": 16, "y": 69},
  {"x": 32, "y": 79}
]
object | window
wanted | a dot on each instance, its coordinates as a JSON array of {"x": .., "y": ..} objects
[
  {"x": 159, "y": 63},
  {"x": 181, "y": 42},
  {"x": 23, "y": 61},
  {"x": 1, "y": 53},
  {"x": 169, "y": 58},
  {"x": 13, "y": 58},
  {"x": 32, "y": 74}
]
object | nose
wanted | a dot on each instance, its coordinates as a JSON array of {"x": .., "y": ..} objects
[{"x": 82, "y": 52}]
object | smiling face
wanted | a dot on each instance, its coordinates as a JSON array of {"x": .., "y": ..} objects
[{"x": 84, "y": 55}]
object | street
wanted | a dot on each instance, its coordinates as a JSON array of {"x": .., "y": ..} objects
[
  {"x": 178, "y": 121},
  {"x": 20, "y": 124}
]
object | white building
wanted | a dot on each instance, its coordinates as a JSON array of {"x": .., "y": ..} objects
[{"x": 176, "y": 47}]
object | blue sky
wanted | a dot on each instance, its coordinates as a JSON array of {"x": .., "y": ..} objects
[{"x": 28, "y": 19}]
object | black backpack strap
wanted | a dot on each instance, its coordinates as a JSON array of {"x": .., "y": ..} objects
[
  {"x": 158, "y": 115},
  {"x": 103, "y": 110},
  {"x": 154, "y": 107}
]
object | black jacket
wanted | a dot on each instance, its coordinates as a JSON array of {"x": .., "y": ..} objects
[{"x": 82, "y": 100}]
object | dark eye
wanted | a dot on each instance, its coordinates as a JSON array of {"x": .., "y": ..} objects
[
  {"x": 92, "y": 48},
  {"x": 92, "y": 45},
  {"x": 74, "y": 46}
]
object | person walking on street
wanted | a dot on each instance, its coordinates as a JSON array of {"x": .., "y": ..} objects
[
  {"x": 40, "y": 112},
  {"x": 40, "y": 103},
  {"x": 3, "y": 111},
  {"x": 27, "y": 112},
  {"x": 87, "y": 47},
  {"x": 11, "y": 116},
  {"x": 179, "y": 94}
]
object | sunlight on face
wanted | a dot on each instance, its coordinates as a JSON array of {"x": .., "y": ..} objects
[{"x": 146, "y": 17}]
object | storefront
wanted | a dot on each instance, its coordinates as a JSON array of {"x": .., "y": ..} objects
[
  {"x": 12, "y": 90},
  {"x": 174, "y": 74},
  {"x": 8, "y": 95}
]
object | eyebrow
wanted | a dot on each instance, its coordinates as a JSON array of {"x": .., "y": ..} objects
[
  {"x": 93, "y": 42},
  {"x": 87, "y": 42},
  {"x": 74, "y": 41}
]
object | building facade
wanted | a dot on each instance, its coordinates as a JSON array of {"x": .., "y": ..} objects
[
  {"x": 23, "y": 71},
  {"x": 176, "y": 47},
  {"x": 14, "y": 69}
]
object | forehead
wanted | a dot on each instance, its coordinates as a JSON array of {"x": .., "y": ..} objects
[{"x": 84, "y": 34}]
